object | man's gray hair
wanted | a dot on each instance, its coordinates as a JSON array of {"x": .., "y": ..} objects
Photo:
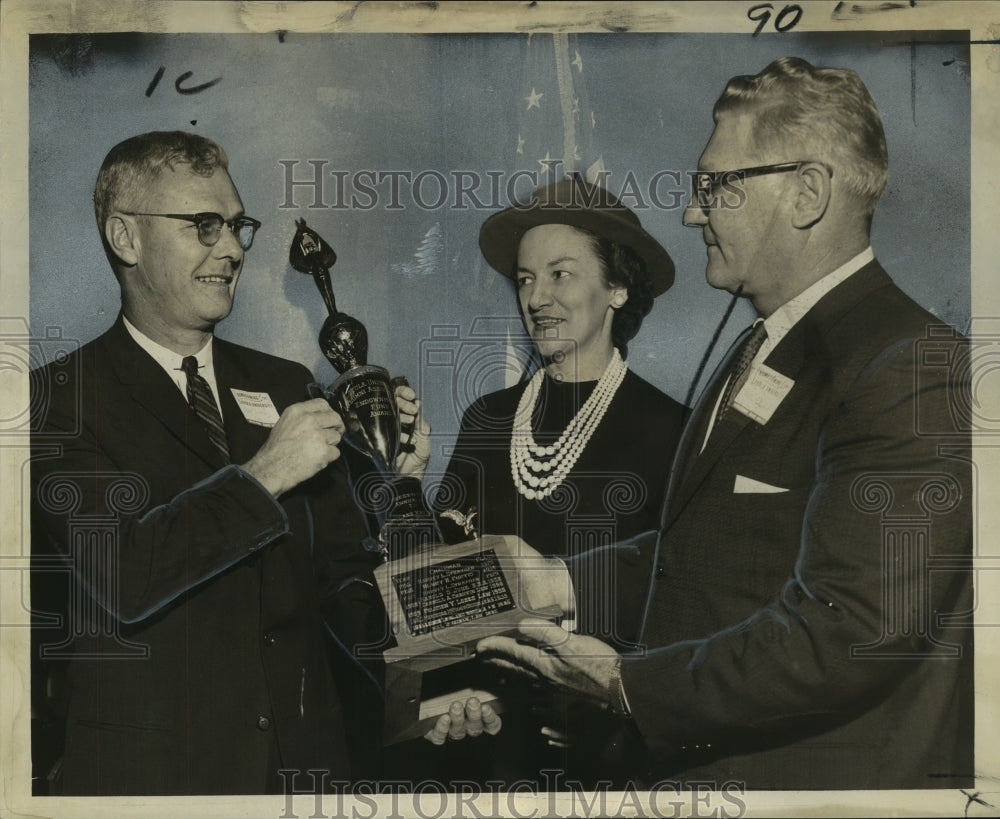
[
  {"x": 822, "y": 114},
  {"x": 134, "y": 164}
]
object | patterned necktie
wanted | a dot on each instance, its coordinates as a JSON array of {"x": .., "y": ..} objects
[
  {"x": 202, "y": 401},
  {"x": 741, "y": 369}
]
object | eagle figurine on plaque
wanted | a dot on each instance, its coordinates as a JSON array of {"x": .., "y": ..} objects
[{"x": 440, "y": 599}]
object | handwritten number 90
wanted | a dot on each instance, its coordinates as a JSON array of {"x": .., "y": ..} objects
[{"x": 787, "y": 18}]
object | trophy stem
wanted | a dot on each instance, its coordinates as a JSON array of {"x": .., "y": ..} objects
[{"x": 322, "y": 278}]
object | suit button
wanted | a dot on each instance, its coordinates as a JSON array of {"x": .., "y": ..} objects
[
  {"x": 263, "y": 723},
  {"x": 270, "y": 638},
  {"x": 660, "y": 572}
]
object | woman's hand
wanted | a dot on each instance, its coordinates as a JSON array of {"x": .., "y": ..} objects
[{"x": 415, "y": 434}]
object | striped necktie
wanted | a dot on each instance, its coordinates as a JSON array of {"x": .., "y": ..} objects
[
  {"x": 741, "y": 369},
  {"x": 202, "y": 401}
]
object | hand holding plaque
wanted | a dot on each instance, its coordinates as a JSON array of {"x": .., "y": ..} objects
[{"x": 363, "y": 396}]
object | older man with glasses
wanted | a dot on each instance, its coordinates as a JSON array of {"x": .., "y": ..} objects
[
  {"x": 809, "y": 621},
  {"x": 199, "y": 662}
]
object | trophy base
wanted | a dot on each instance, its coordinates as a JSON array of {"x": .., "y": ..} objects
[
  {"x": 409, "y": 524},
  {"x": 441, "y": 601}
]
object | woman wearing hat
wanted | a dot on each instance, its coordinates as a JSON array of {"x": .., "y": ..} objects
[
  {"x": 584, "y": 438},
  {"x": 579, "y": 455}
]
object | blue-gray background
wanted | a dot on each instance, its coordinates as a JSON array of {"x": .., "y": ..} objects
[{"x": 445, "y": 103}]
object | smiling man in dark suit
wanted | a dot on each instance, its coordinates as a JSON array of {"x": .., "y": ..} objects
[
  {"x": 809, "y": 622},
  {"x": 184, "y": 479}
]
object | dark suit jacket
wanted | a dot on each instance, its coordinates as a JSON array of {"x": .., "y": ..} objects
[
  {"x": 819, "y": 637},
  {"x": 195, "y": 658}
]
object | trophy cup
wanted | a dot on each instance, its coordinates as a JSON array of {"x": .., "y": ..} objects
[
  {"x": 363, "y": 396},
  {"x": 440, "y": 600}
]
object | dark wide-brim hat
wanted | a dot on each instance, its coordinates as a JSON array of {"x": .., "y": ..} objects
[{"x": 580, "y": 204}]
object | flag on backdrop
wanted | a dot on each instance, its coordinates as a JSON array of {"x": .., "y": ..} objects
[
  {"x": 557, "y": 125},
  {"x": 557, "y": 128}
]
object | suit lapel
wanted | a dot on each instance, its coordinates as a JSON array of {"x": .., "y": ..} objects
[
  {"x": 792, "y": 354},
  {"x": 722, "y": 437},
  {"x": 690, "y": 464},
  {"x": 152, "y": 389}
]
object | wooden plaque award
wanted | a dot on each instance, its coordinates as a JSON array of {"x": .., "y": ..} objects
[{"x": 441, "y": 600}]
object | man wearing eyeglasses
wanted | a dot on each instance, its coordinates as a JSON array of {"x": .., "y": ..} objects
[
  {"x": 808, "y": 625},
  {"x": 198, "y": 662}
]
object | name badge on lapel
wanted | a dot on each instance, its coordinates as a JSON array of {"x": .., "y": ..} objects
[
  {"x": 764, "y": 390},
  {"x": 257, "y": 407}
]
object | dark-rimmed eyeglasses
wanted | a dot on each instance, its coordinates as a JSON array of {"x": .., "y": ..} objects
[
  {"x": 705, "y": 184},
  {"x": 210, "y": 226}
]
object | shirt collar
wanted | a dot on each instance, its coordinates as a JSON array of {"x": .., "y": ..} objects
[
  {"x": 171, "y": 361},
  {"x": 788, "y": 315}
]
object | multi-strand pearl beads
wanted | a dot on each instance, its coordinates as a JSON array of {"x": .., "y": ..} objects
[{"x": 540, "y": 470}]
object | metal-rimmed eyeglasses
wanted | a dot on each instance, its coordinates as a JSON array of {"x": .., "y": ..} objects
[
  {"x": 210, "y": 226},
  {"x": 705, "y": 184}
]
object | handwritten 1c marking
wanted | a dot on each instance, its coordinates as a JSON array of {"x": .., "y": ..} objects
[{"x": 179, "y": 83}]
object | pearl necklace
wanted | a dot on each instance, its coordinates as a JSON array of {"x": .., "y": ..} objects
[{"x": 539, "y": 470}]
